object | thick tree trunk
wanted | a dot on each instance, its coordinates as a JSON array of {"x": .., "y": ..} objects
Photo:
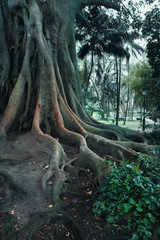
[{"x": 39, "y": 69}]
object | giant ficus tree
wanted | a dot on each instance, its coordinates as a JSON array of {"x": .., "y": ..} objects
[{"x": 41, "y": 108}]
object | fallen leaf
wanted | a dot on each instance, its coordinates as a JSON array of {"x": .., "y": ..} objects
[
  {"x": 89, "y": 193},
  {"x": 67, "y": 234},
  {"x": 16, "y": 227},
  {"x": 46, "y": 167},
  {"x": 12, "y": 212},
  {"x": 115, "y": 225},
  {"x": 49, "y": 183},
  {"x": 50, "y": 206},
  {"x": 119, "y": 228}
]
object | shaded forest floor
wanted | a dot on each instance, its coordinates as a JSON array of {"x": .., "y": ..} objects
[
  {"x": 78, "y": 199},
  {"x": 79, "y": 206}
]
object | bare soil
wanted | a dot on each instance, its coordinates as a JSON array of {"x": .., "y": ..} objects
[{"x": 25, "y": 162}]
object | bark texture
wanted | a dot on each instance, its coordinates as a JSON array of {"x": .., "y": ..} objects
[{"x": 42, "y": 105}]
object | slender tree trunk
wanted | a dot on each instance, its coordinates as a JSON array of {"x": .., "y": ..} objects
[
  {"x": 132, "y": 108},
  {"x": 118, "y": 83},
  {"x": 128, "y": 90},
  {"x": 103, "y": 95}
]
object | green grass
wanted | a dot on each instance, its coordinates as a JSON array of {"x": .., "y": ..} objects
[
  {"x": 129, "y": 124},
  {"x": 134, "y": 125}
]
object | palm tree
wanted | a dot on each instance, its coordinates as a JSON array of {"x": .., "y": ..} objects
[
  {"x": 96, "y": 38},
  {"x": 100, "y": 33}
]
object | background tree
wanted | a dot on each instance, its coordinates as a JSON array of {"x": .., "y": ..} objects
[
  {"x": 151, "y": 28},
  {"x": 96, "y": 34},
  {"x": 102, "y": 33},
  {"x": 141, "y": 77}
]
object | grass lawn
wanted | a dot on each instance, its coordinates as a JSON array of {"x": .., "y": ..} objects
[{"x": 134, "y": 125}]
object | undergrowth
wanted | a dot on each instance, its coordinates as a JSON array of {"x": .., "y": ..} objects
[
  {"x": 155, "y": 135},
  {"x": 132, "y": 192}
]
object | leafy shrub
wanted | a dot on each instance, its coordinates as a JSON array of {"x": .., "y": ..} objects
[
  {"x": 132, "y": 192},
  {"x": 154, "y": 115},
  {"x": 156, "y": 137}
]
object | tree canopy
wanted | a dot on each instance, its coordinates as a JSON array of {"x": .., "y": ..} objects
[{"x": 151, "y": 28}]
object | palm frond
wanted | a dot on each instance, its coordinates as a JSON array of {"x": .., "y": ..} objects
[
  {"x": 84, "y": 50},
  {"x": 137, "y": 47},
  {"x": 81, "y": 20},
  {"x": 79, "y": 36},
  {"x": 115, "y": 49}
]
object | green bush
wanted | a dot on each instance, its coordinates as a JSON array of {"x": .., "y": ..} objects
[
  {"x": 132, "y": 192},
  {"x": 155, "y": 135}
]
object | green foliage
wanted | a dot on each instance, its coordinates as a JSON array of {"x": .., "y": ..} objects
[
  {"x": 150, "y": 29},
  {"x": 156, "y": 137},
  {"x": 102, "y": 33},
  {"x": 154, "y": 115},
  {"x": 132, "y": 192},
  {"x": 141, "y": 77},
  {"x": 94, "y": 108}
]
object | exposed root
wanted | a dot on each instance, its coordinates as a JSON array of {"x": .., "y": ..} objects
[
  {"x": 6, "y": 195},
  {"x": 10, "y": 182},
  {"x": 57, "y": 154},
  {"x": 38, "y": 220}
]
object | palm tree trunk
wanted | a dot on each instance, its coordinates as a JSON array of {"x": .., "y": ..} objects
[
  {"x": 118, "y": 83},
  {"x": 127, "y": 94}
]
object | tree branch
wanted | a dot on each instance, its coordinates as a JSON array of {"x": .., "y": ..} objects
[{"x": 105, "y": 3}]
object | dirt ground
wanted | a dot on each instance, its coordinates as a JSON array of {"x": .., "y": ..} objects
[
  {"x": 79, "y": 206},
  {"x": 77, "y": 200}
]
